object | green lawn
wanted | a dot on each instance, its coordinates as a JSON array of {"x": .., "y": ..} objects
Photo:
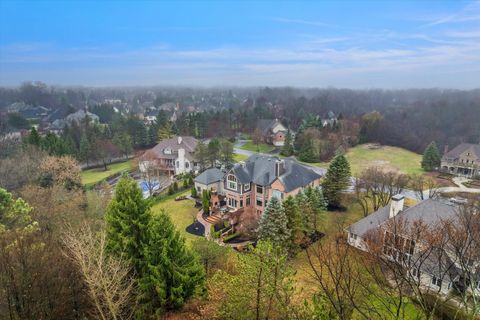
[
  {"x": 92, "y": 176},
  {"x": 182, "y": 212},
  {"x": 239, "y": 157},
  {"x": 391, "y": 158},
  {"x": 262, "y": 147}
]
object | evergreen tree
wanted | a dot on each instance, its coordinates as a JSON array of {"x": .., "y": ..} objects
[
  {"x": 294, "y": 223},
  {"x": 127, "y": 217},
  {"x": 431, "y": 157},
  {"x": 194, "y": 192},
  {"x": 165, "y": 131},
  {"x": 287, "y": 149},
  {"x": 34, "y": 138},
  {"x": 172, "y": 272},
  {"x": 306, "y": 212},
  {"x": 317, "y": 203},
  {"x": 152, "y": 135},
  {"x": 273, "y": 224},
  {"x": 206, "y": 202},
  {"x": 336, "y": 180},
  {"x": 84, "y": 152},
  {"x": 213, "y": 151},
  {"x": 307, "y": 152}
]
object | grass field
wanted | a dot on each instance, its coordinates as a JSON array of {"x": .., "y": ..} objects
[
  {"x": 92, "y": 176},
  {"x": 391, "y": 158},
  {"x": 239, "y": 157},
  {"x": 182, "y": 212},
  {"x": 262, "y": 147}
]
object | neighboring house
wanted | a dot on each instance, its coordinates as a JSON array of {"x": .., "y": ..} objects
[
  {"x": 210, "y": 179},
  {"x": 151, "y": 116},
  {"x": 463, "y": 160},
  {"x": 172, "y": 156},
  {"x": 273, "y": 132},
  {"x": 433, "y": 268},
  {"x": 77, "y": 117},
  {"x": 329, "y": 120},
  {"x": 249, "y": 185}
]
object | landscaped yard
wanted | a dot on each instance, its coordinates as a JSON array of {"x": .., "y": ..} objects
[
  {"x": 262, "y": 147},
  {"x": 92, "y": 176},
  {"x": 182, "y": 212},
  {"x": 392, "y": 158}
]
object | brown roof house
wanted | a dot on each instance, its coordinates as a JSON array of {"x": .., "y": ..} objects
[
  {"x": 173, "y": 156},
  {"x": 273, "y": 131},
  {"x": 463, "y": 160}
]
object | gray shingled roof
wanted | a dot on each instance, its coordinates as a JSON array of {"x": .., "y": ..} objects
[
  {"x": 370, "y": 222},
  {"x": 430, "y": 211},
  {"x": 260, "y": 170},
  {"x": 461, "y": 148},
  {"x": 210, "y": 176}
]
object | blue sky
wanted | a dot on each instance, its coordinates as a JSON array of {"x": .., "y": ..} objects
[{"x": 353, "y": 44}]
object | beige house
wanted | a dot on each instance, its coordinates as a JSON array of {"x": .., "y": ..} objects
[
  {"x": 273, "y": 132},
  {"x": 463, "y": 160},
  {"x": 172, "y": 156}
]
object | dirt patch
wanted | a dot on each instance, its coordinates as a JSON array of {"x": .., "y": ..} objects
[
  {"x": 372, "y": 146},
  {"x": 443, "y": 180}
]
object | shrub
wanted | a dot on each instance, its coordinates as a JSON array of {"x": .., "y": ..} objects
[
  {"x": 194, "y": 192},
  {"x": 230, "y": 237}
]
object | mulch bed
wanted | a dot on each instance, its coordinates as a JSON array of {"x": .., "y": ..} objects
[{"x": 196, "y": 229}]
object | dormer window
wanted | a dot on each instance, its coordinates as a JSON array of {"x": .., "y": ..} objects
[
  {"x": 167, "y": 151},
  {"x": 232, "y": 182}
]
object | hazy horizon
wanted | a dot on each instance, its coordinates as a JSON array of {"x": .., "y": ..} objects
[{"x": 367, "y": 45}]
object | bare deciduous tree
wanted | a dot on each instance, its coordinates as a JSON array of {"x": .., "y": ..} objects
[{"x": 107, "y": 278}]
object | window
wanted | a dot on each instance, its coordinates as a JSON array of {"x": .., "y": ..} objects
[
  {"x": 167, "y": 151},
  {"x": 277, "y": 194},
  {"x": 436, "y": 281},
  {"x": 178, "y": 164},
  {"x": 247, "y": 201},
  {"x": 241, "y": 203},
  {"x": 259, "y": 201},
  {"x": 232, "y": 182},
  {"x": 259, "y": 189},
  {"x": 246, "y": 187},
  {"x": 187, "y": 165},
  {"x": 232, "y": 203},
  {"x": 353, "y": 236}
]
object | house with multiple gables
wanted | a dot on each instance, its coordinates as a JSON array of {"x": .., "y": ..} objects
[
  {"x": 273, "y": 131},
  {"x": 171, "y": 156},
  {"x": 246, "y": 188},
  {"x": 390, "y": 229},
  {"x": 463, "y": 160}
]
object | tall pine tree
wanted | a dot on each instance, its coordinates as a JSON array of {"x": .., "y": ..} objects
[
  {"x": 172, "y": 273},
  {"x": 294, "y": 223},
  {"x": 127, "y": 218},
  {"x": 431, "y": 157},
  {"x": 336, "y": 180},
  {"x": 273, "y": 224}
]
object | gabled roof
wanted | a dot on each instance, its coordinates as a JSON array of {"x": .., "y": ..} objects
[
  {"x": 186, "y": 142},
  {"x": 260, "y": 170},
  {"x": 210, "y": 176},
  {"x": 429, "y": 211},
  {"x": 461, "y": 148},
  {"x": 267, "y": 124}
]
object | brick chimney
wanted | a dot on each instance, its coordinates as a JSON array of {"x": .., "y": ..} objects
[
  {"x": 179, "y": 139},
  {"x": 279, "y": 168},
  {"x": 445, "y": 149},
  {"x": 396, "y": 205}
]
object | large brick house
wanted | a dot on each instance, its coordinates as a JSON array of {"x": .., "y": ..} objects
[
  {"x": 172, "y": 156},
  {"x": 273, "y": 131},
  {"x": 248, "y": 186},
  {"x": 463, "y": 160}
]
